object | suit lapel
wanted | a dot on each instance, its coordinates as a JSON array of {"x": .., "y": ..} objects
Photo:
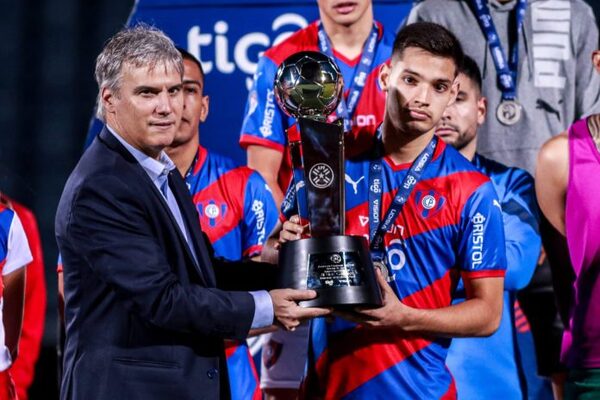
[
  {"x": 114, "y": 144},
  {"x": 192, "y": 221}
]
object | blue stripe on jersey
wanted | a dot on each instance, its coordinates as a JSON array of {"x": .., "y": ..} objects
[{"x": 242, "y": 379}]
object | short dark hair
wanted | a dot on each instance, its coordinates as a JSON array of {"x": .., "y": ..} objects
[
  {"x": 470, "y": 69},
  {"x": 186, "y": 55},
  {"x": 433, "y": 38}
]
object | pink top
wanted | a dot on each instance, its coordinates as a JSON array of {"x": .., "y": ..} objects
[{"x": 581, "y": 341}]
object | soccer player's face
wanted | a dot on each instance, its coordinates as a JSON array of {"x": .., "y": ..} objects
[
  {"x": 419, "y": 87},
  {"x": 146, "y": 110},
  {"x": 195, "y": 103},
  {"x": 344, "y": 12},
  {"x": 461, "y": 119}
]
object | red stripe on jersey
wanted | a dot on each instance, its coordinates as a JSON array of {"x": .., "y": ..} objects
[
  {"x": 362, "y": 347},
  {"x": 458, "y": 186},
  {"x": 488, "y": 273},
  {"x": 231, "y": 187},
  {"x": 202, "y": 154},
  {"x": 436, "y": 295},
  {"x": 303, "y": 40},
  {"x": 248, "y": 140}
]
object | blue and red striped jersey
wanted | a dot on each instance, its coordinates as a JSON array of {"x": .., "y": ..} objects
[
  {"x": 264, "y": 122},
  {"x": 236, "y": 209},
  {"x": 450, "y": 227},
  {"x": 237, "y": 213}
]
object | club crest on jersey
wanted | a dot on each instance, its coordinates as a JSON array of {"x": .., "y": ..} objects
[
  {"x": 429, "y": 202},
  {"x": 271, "y": 353},
  {"x": 212, "y": 212}
]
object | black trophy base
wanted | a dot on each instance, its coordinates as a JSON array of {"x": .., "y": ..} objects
[{"x": 338, "y": 268}]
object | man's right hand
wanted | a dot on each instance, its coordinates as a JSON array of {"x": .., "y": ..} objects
[
  {"x": 287, "y": 311},
  {"x": 292, "y": 230}
]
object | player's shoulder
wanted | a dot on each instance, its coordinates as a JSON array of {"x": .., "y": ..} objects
[
  {"x": 554, "y": 151},
  {"x": 301, "y": 40},
  {"x": 460, "y": 176}
]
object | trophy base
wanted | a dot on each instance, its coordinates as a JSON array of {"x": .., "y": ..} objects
[{"x": 338, "y": 268}]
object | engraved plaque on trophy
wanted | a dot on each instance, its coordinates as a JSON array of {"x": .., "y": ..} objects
[{"x": 308, "y": 86}]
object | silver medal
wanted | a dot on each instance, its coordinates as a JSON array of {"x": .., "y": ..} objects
[
  {"x": 383, "y": 268},
  {"x": 509, "y": 112}
]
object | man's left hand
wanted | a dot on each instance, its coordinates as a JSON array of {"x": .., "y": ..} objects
[{"x": 391, "y": 314}]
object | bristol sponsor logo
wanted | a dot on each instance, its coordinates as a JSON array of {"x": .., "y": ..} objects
[
  {"x": 259, "y": 214},
  {"x": 266, "y": 129},
  {"x": 478, "y": 221},
  {"x": 217, "y": 50}
]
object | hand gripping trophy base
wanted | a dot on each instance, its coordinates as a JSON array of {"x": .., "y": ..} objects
[{"x": 338, "y": 268}]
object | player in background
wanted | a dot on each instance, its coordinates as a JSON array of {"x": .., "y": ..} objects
[
  {"x": 534, "y": 59},
  {"x": 567, "y": 169},
  {"x": 447, "y": 225},
  {"x": 347, "y": 32},
  {"x": 236, "y": 209},
  {"x": 495, "y": 360},
  {"x": 23, "y": 369},
  {"x": 14, "y": 256}
]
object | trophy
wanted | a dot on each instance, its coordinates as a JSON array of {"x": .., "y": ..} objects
[{"x": 309, "y": 86}]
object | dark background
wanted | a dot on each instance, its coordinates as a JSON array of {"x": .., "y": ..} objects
[{"x": 47, "y": 93}]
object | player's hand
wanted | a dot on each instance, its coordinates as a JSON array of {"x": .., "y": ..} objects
[
  {"x": 292, "y": 230},
  {"x": 288, "y": 313},
  {"x": 392, "y": 314}
]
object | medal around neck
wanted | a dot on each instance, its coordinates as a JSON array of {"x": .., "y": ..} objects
[
  {"x": 509, "y": 112},
  {"x": 309, "y": 86}
]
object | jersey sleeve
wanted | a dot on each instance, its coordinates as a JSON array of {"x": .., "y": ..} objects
[
  {"x": 260, "y": 215},
  {"x": 18, "y": 253},
  {"x": 481, "y": 248},
  {"x": 521, "y": 228},
  {"x": 264, "y": 122}
]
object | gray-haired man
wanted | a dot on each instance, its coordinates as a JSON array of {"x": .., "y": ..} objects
[{"x": 144, "y": 316}]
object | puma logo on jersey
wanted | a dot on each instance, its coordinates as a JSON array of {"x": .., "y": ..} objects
[{"x": 354, "y": 183}]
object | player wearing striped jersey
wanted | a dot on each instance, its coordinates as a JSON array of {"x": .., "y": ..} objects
[
  {"x": 14, "y": 256},
  {"x": 447, "y": 226},
  {"x": 347, "y": 32},
  {"x": 499, "y": 360},
  {"x": 236, "y": 210}
]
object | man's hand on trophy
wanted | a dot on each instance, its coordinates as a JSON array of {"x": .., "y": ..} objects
[
  {"x": 288, "y": 313},
  {"x": 392, "y": 314},
  {"x": 292, "y": 230}
]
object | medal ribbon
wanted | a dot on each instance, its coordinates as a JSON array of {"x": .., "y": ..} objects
[
  {"x": 507, "y": 71},
  {"x": 346, "y": 110},
  {"x": 377, "y": 227}
]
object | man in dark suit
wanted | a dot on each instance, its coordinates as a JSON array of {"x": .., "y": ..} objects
[{"x": 146, "y": 312}]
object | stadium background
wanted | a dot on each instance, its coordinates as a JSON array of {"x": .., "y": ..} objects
[{"x": 47, "y": 92}]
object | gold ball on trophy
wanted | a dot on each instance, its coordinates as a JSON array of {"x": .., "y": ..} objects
[{"x": 308, "y": 84}]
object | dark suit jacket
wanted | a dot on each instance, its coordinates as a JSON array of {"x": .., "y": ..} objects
[{"x": 144, "y": 321}]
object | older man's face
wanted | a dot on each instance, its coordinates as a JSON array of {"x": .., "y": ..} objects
[{"x": 146, "y": 111}]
